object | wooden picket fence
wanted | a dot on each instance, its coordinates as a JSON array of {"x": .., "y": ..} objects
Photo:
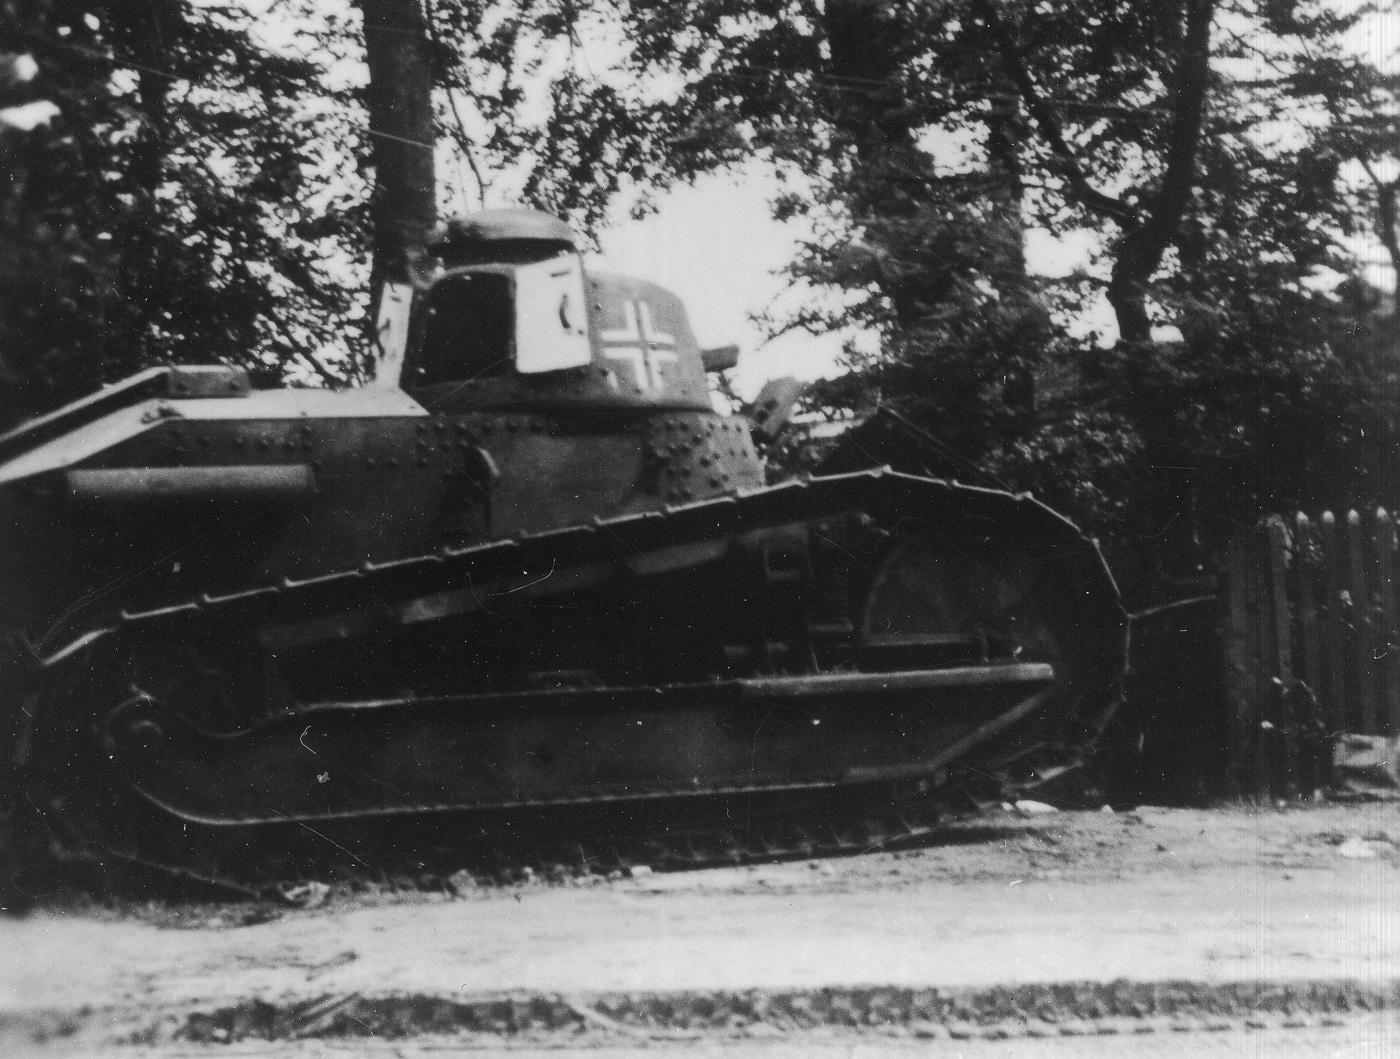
[{"x": 1311, "y": 645}]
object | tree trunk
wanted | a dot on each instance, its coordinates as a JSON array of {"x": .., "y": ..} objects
[
  {"x": 1141, "y": 249},
  {"x": 892, "y": 180},
  {"x": 143, "y": 286},
  {"x": 1008, "y": 189},
  {"x": 1146, "y": 235},
  {"x": 403, "y": 208},
  {"x": 864, "y": 38},
  {"x": 1007, "y": 192},
  {"x": 1388, "y": 229},
  {"x": 152, "y": 89}
]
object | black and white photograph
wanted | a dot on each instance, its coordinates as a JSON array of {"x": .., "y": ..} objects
[{"x": 762, "y": 529}]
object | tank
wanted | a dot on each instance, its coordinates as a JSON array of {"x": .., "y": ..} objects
[{"x": 527, "y": 587}]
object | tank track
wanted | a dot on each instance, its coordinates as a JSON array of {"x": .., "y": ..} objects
[
  {"x": 511, "y": 563},
  {"x": 482, "y": 848},
  {"x": 663, "y": 833},
  {"x": 688, "y": 841}
]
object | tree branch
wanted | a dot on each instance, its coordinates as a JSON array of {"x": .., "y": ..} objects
[
  {"x": 464, "y": 141},
  {"x": 1048, "y": 121},
  {"x": 1140, "y": 252},
  {"x": 1386, "y": 217},
  {"x": 1193, "y": 79}
]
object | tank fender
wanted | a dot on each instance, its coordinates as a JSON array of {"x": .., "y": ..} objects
[{"x": 215, "y": 380}]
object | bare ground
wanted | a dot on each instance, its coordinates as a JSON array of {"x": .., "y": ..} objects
[{"x": 1180, "y": 903}]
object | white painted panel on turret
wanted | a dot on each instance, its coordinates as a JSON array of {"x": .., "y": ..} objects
[{"x": 551, "y": 317}]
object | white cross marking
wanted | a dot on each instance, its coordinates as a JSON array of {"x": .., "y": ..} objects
[{"x": 641, "y": 345}]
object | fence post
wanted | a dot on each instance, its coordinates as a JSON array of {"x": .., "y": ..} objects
[
  {"x": 1305, "y": 571},
  {"x": 1335, "y": 698},
  {"x": 1362, "y": 650},
  {"x": 1283, "y": 737},
  {"x": 1238, "y": 663},
  {"x": 1387, "y": 638}
]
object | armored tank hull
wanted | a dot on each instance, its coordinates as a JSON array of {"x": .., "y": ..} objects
[{"x": 528, "y": 592}]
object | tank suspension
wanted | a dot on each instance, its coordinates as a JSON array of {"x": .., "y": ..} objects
[{"x": 804, "y": 655}]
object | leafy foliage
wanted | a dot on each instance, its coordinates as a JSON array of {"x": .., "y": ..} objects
[
  {"x": 185, "y": 204},
  {"x": 197, "y": 199},
  {"x": 1199, "y": 141}
]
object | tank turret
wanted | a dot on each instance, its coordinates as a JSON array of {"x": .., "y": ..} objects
[{"x": 508, "y": 318}]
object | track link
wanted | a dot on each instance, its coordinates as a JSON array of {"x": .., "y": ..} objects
[{"x": 306, "y": 861}]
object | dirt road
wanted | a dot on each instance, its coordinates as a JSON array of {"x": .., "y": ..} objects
[{"x": 1014, "y": 927}]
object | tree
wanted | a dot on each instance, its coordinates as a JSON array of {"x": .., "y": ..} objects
[
  {"x": 404, "y": 130},
  {"x": 185, "y": 203},
  {"x": 167, "y": 213},
  {"x": 923, "y": 140}
]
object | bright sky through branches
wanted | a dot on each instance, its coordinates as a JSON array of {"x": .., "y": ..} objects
[
  {"x": 715, "y": 243},
  {"x": 716, "y": 246}
]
